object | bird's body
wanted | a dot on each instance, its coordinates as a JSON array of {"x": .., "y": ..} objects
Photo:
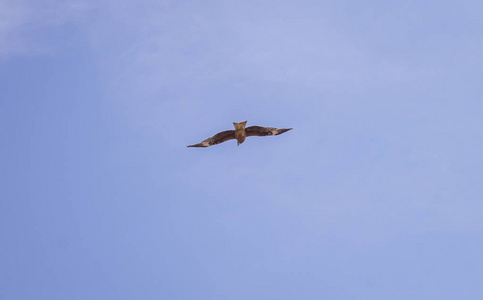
[{"x": 240, "y": 133}]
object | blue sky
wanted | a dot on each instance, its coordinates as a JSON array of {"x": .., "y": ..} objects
[{"x": 375, "y": 194}]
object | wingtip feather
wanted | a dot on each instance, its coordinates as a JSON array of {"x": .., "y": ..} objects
[
  {"x": 198, "y": 145},
  {"x": 280, "y": 131}
]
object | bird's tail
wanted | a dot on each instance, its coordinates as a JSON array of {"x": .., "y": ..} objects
[{"x": 240, "y": 125}]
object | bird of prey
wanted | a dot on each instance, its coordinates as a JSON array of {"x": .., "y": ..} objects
[{"x": 240, "y": 133}]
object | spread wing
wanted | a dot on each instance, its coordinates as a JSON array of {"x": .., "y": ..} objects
[
  {"x": 216, "y": 139},
  {"x": 264, "y": 131}
]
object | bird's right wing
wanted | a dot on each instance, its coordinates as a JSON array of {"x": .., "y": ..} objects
[
  {"x": 264, "y": 131},
  {"x": 216, "y": 139}
]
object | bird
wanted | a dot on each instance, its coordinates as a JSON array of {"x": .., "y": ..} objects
[{"x": 240, "y": 133}]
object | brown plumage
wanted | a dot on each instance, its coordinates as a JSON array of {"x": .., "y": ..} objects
[{"x": 240, "y": 133}]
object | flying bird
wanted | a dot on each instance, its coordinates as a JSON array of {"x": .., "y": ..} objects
[{"x": 240, "y": 133}]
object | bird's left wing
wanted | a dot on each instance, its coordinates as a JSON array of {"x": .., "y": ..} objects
[
  {"x": 264, "y": 131},
  {"x": 216, "y": 139}
]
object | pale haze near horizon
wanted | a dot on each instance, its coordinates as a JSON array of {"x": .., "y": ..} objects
[{"x": 375, "y": 194}]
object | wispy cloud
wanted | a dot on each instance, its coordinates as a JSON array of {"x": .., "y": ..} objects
[
  {"x": 21, "y": 23},
  {"x": 14, "y": 20},
  {"x": 174, "y": 44}
]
